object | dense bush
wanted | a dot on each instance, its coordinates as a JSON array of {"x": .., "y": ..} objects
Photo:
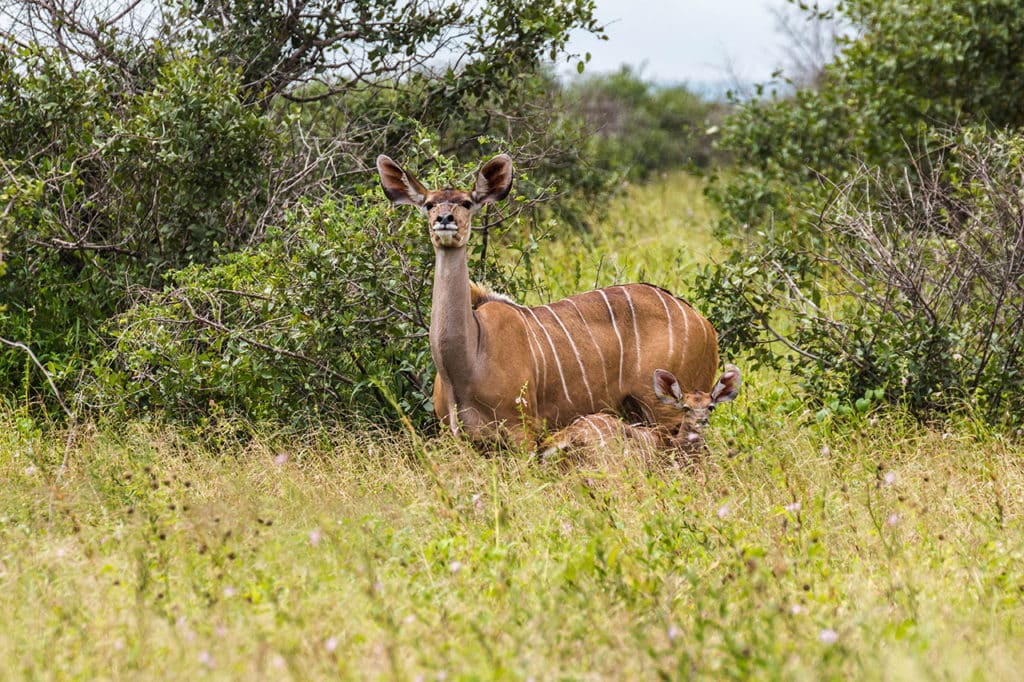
[
  {"x": 305, "y": 322},
  {"x": 876, "y": 252},
  {"x": 163, "y": 136},
  {"x": 642, "y": 128},
  {"x": 903, "y": 69},
  {"x": 918, "y": 286},
  {"x": 104, "y": 190}
]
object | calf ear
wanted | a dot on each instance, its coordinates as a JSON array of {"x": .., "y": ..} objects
[
  {"x": 666, "y": 387},
  {"x": 493, "y": 180},
  {"x": 728, "y": 385},
  {"x": 399, "y": 186}
]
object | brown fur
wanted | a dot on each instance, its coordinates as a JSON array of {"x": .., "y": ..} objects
[{"x": 481, "y": 293}]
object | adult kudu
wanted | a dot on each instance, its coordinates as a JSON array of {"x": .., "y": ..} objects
[{"x": 504, "y": 371}]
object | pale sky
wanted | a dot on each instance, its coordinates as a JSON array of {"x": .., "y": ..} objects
[{"x": 692, "y": 41}]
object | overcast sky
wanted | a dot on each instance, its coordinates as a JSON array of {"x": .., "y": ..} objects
[{"x": 692, "y": 41}]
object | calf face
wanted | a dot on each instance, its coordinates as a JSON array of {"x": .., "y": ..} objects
[{"x": 687, "y": 414}]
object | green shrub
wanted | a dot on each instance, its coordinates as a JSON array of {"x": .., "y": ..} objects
[
  {"x": 913, "y": 291},
  {"x": 300, "y": 326},
  {"x": 641, "y": 128},
  {"x": 108, "y": 190},
  {"x": 847, "y": 201},
  {"x": 140, "y": 142},
  {"x": 905, "y": 69}
]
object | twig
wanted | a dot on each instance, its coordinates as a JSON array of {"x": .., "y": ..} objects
[{"x": 70, "y": 415}]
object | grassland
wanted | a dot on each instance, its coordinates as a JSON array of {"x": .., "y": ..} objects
[{"x": 872, "y": 549}]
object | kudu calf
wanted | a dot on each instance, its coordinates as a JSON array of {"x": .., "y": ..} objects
[
  {"x": 682, "y": 420},
  {"x": 504, "y": 370}
]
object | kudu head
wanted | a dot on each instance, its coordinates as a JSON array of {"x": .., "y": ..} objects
[
  {"x": 690, "y": 412},
  {"x": 448, "y": 211}
]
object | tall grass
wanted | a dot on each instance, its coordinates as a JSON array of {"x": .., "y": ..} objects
[
  {"x": 874, "y": 548},
  {"x": 658, "y": 233}
]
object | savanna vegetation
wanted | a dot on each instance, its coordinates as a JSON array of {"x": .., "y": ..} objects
[{"x": 215, "y": 432}]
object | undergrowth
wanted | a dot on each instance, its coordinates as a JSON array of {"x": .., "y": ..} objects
[{"x": 879, "y": 550}]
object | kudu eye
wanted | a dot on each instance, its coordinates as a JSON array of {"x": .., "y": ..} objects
[
  {"x": 429, "y": 205},
  {"x": 467, "y": 204}
]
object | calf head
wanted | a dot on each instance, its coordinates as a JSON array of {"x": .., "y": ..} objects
[{"x": 688, "y": 413}]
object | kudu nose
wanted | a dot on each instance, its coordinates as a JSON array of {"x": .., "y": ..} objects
[{"x": 446, "y": 219}]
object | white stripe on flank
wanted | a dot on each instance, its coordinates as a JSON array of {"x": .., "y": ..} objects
[
  {"x": 558, "y": 362},
  {"x": 668, "y": 319},
  {"x": 579, "y": 360},
  {"x": 543, "y": 358},
  {"x": 597, "y": 430},
  {"x": 686, "y": 320},
  {"x": 593, "y": 340},
  {"x": 636, "y": 330},
  {"x": 533, "y": 355},
  {"x": 576, "y": 350},
  {"x": 617, "y": 334}
]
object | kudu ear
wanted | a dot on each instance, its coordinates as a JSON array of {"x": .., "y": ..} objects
[
  {"x": 399, "y": 186},
  {"x": 728, "y": 385},
  {"x": 666, "y": 387},
  {"x": 493, "y": 180}
]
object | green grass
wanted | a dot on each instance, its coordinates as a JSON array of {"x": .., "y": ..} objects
[
  {"x": 875, "y": 549},
  {"x": 657, "y": 233}
]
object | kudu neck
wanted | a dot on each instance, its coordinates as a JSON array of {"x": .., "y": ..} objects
[{"x": 453, "y": 329}]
